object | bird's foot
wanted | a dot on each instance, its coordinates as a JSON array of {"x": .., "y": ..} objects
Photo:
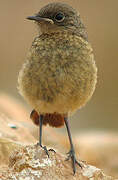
[
  {"x": 45, "y": 149},
  {"x": 71, "y": 154}
]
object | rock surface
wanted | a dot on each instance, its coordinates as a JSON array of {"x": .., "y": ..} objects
[
  {"x": 31, "y": 163},
  {"x": 6, "y": 147}
]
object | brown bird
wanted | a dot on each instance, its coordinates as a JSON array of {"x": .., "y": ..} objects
[{"x": 59, "y": 75}]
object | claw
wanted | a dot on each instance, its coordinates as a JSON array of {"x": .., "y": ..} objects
[
  {"x": 68, "y": 153},
  {"x": 52, "y": 150},
  {"x": 71, "y": 154},
  {"x": 79, "y": 164},
  {"x": 45, "y": 149}
]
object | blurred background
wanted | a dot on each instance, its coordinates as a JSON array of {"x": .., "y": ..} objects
[{"x": 101, "y": 20}]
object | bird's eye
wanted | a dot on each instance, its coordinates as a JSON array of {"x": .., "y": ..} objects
[{"x": 59, "y": 17}]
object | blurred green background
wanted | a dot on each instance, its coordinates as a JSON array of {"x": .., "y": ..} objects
[{"x": 101, "y": 20}]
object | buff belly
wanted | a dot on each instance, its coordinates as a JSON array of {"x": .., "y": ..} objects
[{"x": 63, "y": 97}]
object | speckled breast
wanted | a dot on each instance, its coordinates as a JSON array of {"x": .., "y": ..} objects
[{"x": 59, "y": 74}]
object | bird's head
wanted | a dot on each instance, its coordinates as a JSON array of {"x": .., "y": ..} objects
[{"x": 58, "y": 16}]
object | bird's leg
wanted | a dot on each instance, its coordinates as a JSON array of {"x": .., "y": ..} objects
[
  {"x": 71, "y": 153},
  {"x": 40, "y": 134},
  {"x": 40, "y": 129}
]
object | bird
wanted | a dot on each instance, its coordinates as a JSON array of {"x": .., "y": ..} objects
[{"x": 59, "y": 74}]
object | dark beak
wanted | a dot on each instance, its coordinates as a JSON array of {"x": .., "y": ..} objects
[
  {"x": 40, "y": 19},
  {"x": 35, "y": 18}
]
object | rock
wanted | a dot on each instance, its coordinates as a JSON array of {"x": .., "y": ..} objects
[
  {"x": 98, "y": 148},
  {"x": 6, "y": 147},
  {"x": 31, "y": 163}
]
